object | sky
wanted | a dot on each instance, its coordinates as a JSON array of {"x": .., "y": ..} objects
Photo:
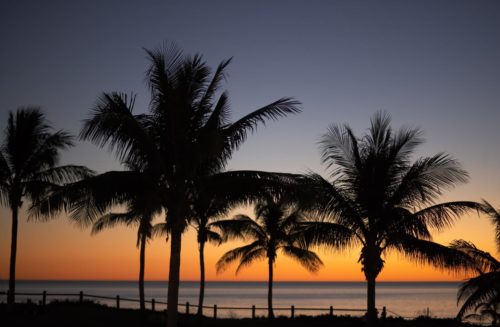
[{"x": 434, "y": 65}]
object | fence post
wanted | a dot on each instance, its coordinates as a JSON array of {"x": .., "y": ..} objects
[
  {"x": 331, "y": 311},
  {"x": 81, "y": 296},
  {"x": 293, "y": 311},
  {"x": 215, "y": 311},
  {"x": 187, "y": 308},
  {"x": 153, "y": 304},
  {"x": 118, "y": 301},
  {"x": 384, "y": 313},
  {"x": 44, "y": 298},
  {"x": 253, "y": 311}
]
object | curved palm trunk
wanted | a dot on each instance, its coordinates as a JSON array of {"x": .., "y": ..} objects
[
  {"x": 142, "y": 264},
  {"x": 270, "y": 313},
  {"x": 174, "y": 273},
  {"x": 202, "y": 278},
  {"x": 13, "y": 252}
]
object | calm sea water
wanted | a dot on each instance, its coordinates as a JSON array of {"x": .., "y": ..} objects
[{"x": 408, "y": 299}]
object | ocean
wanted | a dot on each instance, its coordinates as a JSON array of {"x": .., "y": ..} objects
[{"x": 406, "y": 299}]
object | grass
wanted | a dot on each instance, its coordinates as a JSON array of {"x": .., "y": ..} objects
[{"x": 90, "y": 314}]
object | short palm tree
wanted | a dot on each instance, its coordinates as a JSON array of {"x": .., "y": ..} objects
[
  {"x": 382, "y": 201},
  {"x": 140, "y": 212},
  {"x": 277, "y": 228},
  {"x": 481, "y": 293},
  {"x": 486, "y": 311},
  {"x": 29, "y": 158},
  {"x": 186, "y": 136},
  {"x": 204, "y": 233}
]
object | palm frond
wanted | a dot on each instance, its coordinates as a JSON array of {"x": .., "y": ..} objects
[
  {"x": 483, "y": 261},
  {"x": 430, "y": 253},
  {"x": 113, "y": 123},
  {"x": 238, "y": 131},
  {"x": 445, "y": 214},
  {"x": 90, "y": 198},
  {"x": 426, "y": 179},
  {"x": 480, "y": 289},
  {"x": 236, "y": 254},
  {"x": 329, "y": 235},
  {"x": 339, "y": 147},
  {"x": 305, "y": 258},
  {"x": 495, "y": 219},
  {"x": 160, "y": 229},
  {"x": 240, "y": 227},
  {"x": 110, "y": 220},
  {"x": 63, "y": 174},
  {"x": 46, "y": 154},
  {"x": 214, "y": 237},
  {"x": 250, "y": 257},
  {"x": 214, "y": 85}
]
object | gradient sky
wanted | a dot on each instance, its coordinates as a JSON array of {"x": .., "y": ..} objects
[{"x": 430, "y": 64}]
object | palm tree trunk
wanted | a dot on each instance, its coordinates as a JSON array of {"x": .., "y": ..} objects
[
  {"x": 202, "y": 278},
  {"x": 142, "y": 265},
  {"x": 270, "y": 313},
  {"x": 371, "y": 314},
  {"x": 174, "y": 273},
  {"x": 13, "y": 252}
]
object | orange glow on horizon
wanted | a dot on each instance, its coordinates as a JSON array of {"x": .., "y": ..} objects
[{"x": 57, "y": 250}]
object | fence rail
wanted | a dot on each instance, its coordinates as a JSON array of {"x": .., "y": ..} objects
[{"x": 153, "y": 302}]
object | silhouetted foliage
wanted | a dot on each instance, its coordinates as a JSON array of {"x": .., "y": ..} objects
[
  {"x": 185, "y": 137},
  {"x": 29, "y": 168},
  {"x": 277, "y": 228},
  {"x": 480, "y": 295},
  {"x": 381, "y": 200}
]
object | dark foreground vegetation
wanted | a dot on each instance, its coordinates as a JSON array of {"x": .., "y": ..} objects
[{"x": 96, "y": 315}]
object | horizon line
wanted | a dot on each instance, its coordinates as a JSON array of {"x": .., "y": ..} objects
[{"x": 234, "y": 281}]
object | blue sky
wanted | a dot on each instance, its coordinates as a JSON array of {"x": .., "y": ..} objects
[{"x": 430, "y": 64}]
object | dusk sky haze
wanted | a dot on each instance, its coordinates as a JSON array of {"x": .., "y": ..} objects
[{"x": 429, "y": 64}]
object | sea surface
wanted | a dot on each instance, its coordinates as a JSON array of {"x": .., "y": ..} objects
[{"x": 407, "y": 299}]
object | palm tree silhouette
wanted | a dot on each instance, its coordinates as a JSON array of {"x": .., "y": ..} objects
[
  {"x": 381, "y": 200},
  {"x": 277, "y": 227},
  {"x": 185, "y": 137},
  {"x": 206, "y": 210},
  {"x": 29, "y": 158},
  {"x": 141, "y": 210},
  {"x": 486, "y": 311},
  {"x": 481, "y": 293}
]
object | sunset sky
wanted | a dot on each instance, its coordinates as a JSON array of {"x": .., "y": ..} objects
[{"x": 430, "y": 64}]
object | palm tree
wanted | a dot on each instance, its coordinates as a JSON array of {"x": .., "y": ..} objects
[
  {"x": 204, "y": 233},
  {"x": 277, "y": 227},
  {"x": 186, "y": 136},
  {"x": 382, "y": 201},
  {"x": 206, "y": 208},
  {"x": 141, "y": 211},
  {"x": 29, "y": 158},
  {"x": 486, "y": 311},
  {"x": 481, "y": 293}
]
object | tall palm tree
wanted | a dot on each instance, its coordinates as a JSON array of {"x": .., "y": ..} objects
[
  {"x": 482, "y": 292},
  {"x": 382, "y": 201},
  {"x": 29, "y": 158},
  {"x": 185, "y": 136},
  {"x": 277, "y": 228}
]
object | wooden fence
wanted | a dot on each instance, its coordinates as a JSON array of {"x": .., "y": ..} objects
[{"x": 187, "y": 306}]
